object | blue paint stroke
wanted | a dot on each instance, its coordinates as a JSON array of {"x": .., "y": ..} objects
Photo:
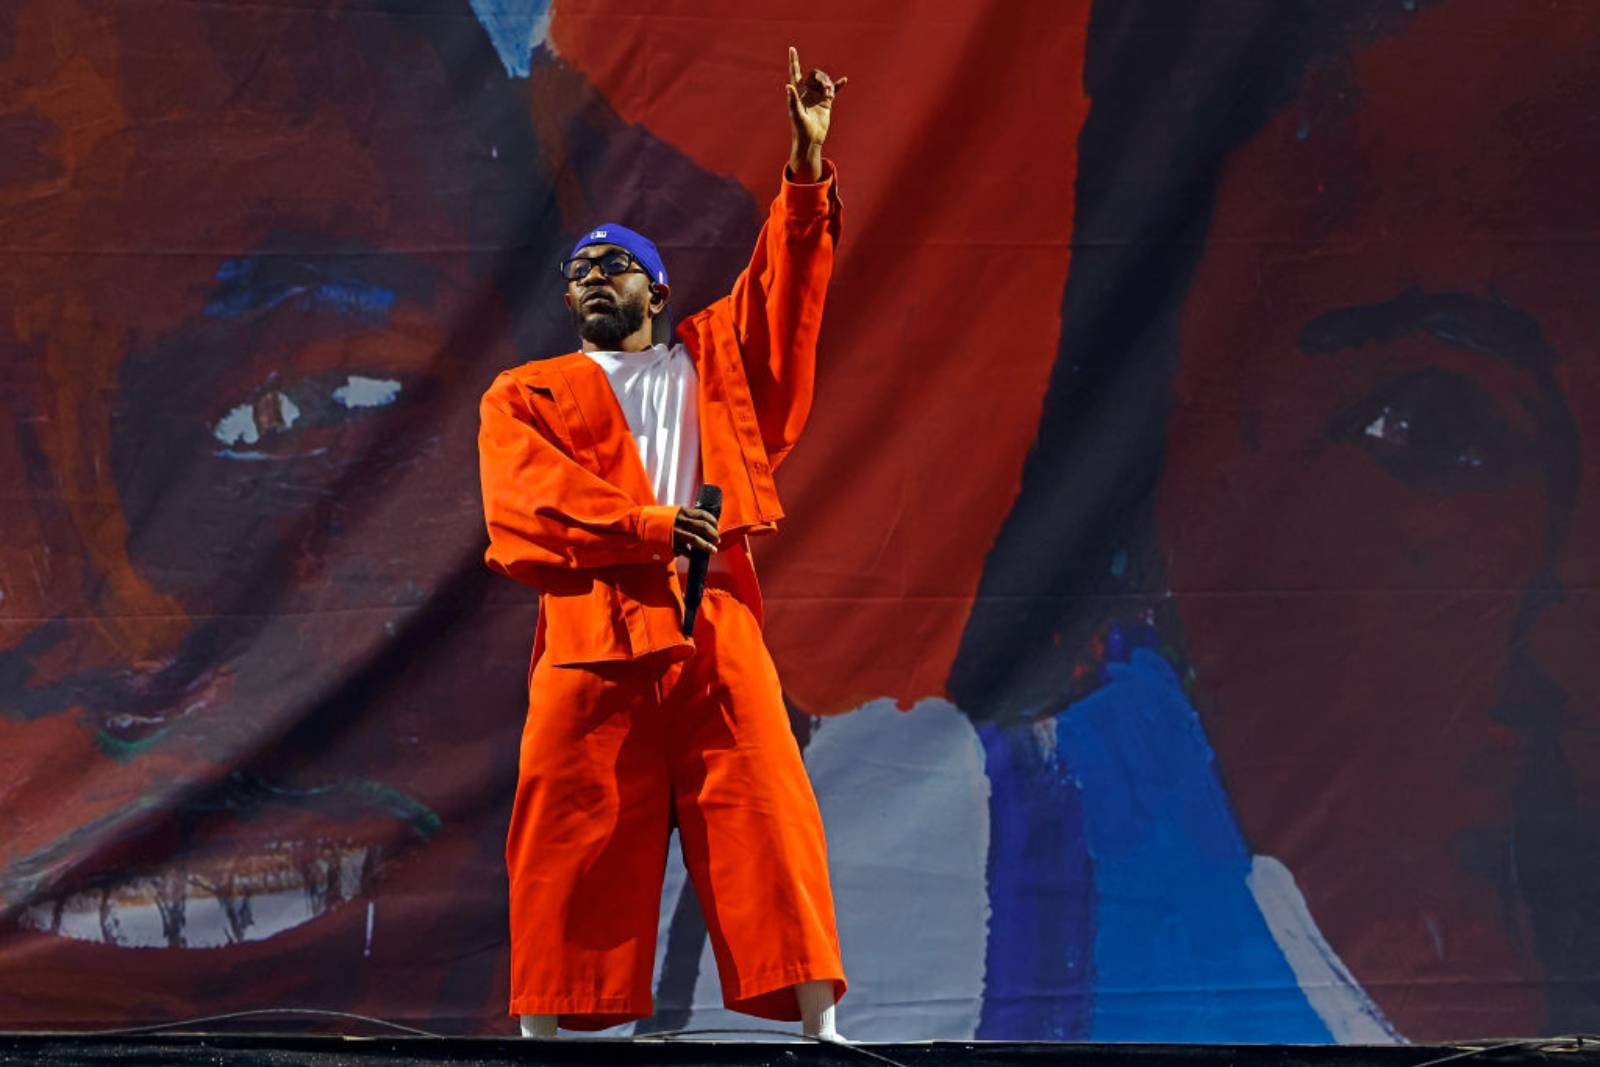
[
  {"x": 1036, "y": 971},
  {"x": 355, "y": 299},
  {"x": 1181, "y": 951},
  {"x": 516, "y": 28},
  {"x": 1121, "y": 639},
  {"x": 250, "y": 283}
]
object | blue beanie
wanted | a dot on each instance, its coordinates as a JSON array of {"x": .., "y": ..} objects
[{"x": 613, "y": 233}]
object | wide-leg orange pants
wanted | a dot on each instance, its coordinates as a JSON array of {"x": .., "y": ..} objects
[{"x": 609, "y": 753}]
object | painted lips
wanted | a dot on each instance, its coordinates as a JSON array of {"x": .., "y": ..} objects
[
  {"x": 255, "y": 860},
  {"x": 213, "y": 902}
]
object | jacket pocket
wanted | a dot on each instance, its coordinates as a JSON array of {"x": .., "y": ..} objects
[
  {"x": 620, "y": 613},
  {"x": 582, "y": 623}
]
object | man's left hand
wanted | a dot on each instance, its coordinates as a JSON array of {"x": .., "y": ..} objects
[{"x": 810, "y": 109}]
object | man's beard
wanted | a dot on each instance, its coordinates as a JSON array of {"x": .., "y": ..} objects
[{"x": 607, "y": 327}]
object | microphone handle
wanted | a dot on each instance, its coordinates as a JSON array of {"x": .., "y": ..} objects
[
  {"x": 710, "y": 499},
  {"x": 695, "y": 590}
]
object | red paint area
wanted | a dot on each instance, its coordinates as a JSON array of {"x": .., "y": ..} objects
[{"x": 956, "y": 144}]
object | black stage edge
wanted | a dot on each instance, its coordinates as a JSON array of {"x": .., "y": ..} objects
[{"x": 279, "y": 1050}]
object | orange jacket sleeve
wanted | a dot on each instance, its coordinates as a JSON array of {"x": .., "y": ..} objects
[
  {"x": 776, "y": 305},
  {"x": 544, "y": 509}
]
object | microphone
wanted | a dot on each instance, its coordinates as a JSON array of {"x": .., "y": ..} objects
[{"x": 710, "y": 499}]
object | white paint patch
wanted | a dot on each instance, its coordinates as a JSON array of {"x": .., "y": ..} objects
[
  {"x": 1434, "y": 937},
  {"x": 1389, "y": 427},
  {"x": 1329, "y": 987},
  {"x": 238, "y": 426},
  {"x": 359, "y": 392},
  {"x": 516, "y": 28},
  {"x": 1046, "y": 737},
  {"x": 905, "y": 800}
]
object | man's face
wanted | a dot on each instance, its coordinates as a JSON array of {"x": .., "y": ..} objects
[
  {"x": 1369, "y": 470},
  {"x": 609, "y": 308},
  {"x": 238, "y": 421}
]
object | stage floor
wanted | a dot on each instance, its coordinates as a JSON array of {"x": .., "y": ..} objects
[{"x": 278, "y": 1050}]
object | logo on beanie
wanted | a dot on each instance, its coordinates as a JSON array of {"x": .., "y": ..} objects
[{"x": 597, "y": 235}]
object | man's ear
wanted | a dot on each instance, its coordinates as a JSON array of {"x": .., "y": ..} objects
[
  {"x": 566, "y": 298},
  {"x": 659, "y": 291}
]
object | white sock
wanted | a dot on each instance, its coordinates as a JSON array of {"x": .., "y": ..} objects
[
  {"x": 538, "y": 1025},
  {"x": 817, "y": 1017}
]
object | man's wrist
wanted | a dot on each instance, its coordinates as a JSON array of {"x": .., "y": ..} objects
[
  {"x": 805, "y": 164},
  {"x": 656, "y": 523}
]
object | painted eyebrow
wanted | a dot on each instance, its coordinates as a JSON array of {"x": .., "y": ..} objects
[
  {"x": 362, "y": 287},
  {"x": 1473, "y": 323}
]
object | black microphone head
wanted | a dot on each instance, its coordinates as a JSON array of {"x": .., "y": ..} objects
[{"x": 710, "y": 499}]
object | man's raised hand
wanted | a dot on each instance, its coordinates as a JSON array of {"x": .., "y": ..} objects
[
  {"x": 694, "y": 528},
  {"x": 810, "y": 109}
]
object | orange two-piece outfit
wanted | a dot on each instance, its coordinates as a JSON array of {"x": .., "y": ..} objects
[{"x": 629, "y": 722}]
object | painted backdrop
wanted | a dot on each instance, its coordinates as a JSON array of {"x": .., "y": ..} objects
[{"x": 1188, "y": 605}]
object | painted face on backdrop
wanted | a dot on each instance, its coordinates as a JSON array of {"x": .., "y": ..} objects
[
  {"x": 1369, "y": 482},
  {"x": 240, "y": 406}
]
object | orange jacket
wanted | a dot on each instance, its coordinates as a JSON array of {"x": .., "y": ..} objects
[{"x": 565, "y": 495}]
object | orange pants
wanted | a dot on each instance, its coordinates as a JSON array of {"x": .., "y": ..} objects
[{"x": 609, "y": 753}]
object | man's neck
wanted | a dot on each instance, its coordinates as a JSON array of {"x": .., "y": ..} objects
[{"x": 634, "y": 342}]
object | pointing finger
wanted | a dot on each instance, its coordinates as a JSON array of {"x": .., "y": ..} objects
[{"x": 795, "y": 76}]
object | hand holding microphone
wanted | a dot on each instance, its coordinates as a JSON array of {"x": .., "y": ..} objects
[
  {"x": 696, "y": 528},
  {"x": 694, "y": 534}
]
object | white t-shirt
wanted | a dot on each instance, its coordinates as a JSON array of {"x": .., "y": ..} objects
[{"x": 658, "y": 392}]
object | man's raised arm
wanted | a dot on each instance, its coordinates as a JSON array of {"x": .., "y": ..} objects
[
  {"x": 776, "y": 303},
  {"x": 810, "y": 112}
]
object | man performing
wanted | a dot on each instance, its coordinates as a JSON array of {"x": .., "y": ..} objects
[{"x": 590, "y": 464}]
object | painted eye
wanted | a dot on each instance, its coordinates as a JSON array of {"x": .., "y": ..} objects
[
  {"x": 270, "y": 412},
  {"x": 1435, "y": 430},
  {"x": 279, "y": 421}
]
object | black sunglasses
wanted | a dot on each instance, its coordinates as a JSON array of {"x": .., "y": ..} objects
[{"x": 611, "y": 264}]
